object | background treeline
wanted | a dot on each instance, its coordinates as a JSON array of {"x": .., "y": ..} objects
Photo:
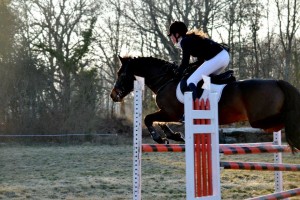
[{"x": 59, "y": 58}]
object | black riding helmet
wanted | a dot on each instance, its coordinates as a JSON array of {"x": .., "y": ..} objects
[{"x": 177, "y": 27}]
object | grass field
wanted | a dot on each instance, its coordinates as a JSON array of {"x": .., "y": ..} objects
[{"x": 91, "y": 171}]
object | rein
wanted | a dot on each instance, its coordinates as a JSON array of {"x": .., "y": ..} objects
[
  {"x": 161, "y": 87},
  {"x": 158, "y": 81},
  {"x": 163, "y": 79}
]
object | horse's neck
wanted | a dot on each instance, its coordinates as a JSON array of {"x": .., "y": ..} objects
[{"x": 155, "y": 76}]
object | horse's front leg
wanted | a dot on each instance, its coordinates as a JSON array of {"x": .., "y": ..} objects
[
  {"x": 149, "y": 119},
  {"x": 176, "y": 136},
  {"x": 160, "y": 116}
]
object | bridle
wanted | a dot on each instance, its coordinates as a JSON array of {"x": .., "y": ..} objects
[{"x": 124, "y": 84}]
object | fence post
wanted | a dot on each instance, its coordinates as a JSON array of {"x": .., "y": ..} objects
[
  {"x": 137, "y": 138},
  {"x": 202, "y": 142},
  {"x": 278, "y": 159}
]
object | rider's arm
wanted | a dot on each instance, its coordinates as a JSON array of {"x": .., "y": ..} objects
[{"x": 186, "y": 54}]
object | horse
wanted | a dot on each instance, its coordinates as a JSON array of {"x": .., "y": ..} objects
[{"x": 265, "y": 103}]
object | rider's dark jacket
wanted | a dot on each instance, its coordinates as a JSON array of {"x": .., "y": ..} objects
[{"x": 199, "y": 47}]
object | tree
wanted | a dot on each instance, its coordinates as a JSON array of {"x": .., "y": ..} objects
[
  {"x": 289, "y": 21},
  {"x": 8, "y": 26},
  {"x": 61, "y": 38},
  {"x": 111, "y": 39}
]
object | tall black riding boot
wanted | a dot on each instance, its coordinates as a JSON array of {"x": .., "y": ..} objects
[{"x": 193, "y": 89}]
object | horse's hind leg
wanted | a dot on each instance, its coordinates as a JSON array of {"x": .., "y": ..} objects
[{"x": 176, "y": 136}]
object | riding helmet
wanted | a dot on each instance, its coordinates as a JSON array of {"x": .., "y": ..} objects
[{"x": 177, "y": 27}]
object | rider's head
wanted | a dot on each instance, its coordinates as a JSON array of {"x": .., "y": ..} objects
[{"x": 177, "y": 29}]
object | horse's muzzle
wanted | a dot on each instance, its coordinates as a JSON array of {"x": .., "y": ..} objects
[{"x": 115, "y": 96}]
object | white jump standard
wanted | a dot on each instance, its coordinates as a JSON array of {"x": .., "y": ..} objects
[{"x": 202, "y": 151}]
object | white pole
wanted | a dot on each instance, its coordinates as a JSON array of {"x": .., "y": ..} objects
[
  {"x": 278, "y": 159},
  {"x": 189, "y": 145},
  {"x": 213, "y": 97},
  {"x": 137, "y": 139}
]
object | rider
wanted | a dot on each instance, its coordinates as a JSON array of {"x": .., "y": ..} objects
[{"x": 197, "y": 44}]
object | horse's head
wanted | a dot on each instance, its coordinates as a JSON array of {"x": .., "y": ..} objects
[
  {"x": 156, "y": 73},
  {"x": 125, "y": 79}
]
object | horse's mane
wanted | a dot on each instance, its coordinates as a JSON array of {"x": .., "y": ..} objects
[{"x": 151, "y": 60}]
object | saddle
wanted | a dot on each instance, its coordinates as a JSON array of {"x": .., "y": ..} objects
[{"x": 224, "y": 78}]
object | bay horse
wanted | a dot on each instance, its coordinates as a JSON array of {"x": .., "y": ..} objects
[{"x": 266, "y": 104}]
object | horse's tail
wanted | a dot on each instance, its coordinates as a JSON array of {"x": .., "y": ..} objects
[{"x": 291, "y": 109}]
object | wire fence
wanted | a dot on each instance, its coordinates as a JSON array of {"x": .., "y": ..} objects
[
  {"x": 61, "y": 138},
  {"x": 56, "y": 135}
]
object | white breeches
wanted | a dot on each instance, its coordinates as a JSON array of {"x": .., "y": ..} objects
[{"x": 213, "y": 66}]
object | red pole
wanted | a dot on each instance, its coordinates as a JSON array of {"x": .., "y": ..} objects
[
  {"x": 203, "y": 163},
  {"x": 209, "y": 156},
  {"x": 204, "y": 153},
  {"x": 197, "y": 156}
]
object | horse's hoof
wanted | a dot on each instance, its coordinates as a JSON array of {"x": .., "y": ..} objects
[
  {"x": 176, "y": 137},
  {"x": 179, "y": 137},
  {"x": 166, "y": 141},
  {"x": 162, "y": 140}
]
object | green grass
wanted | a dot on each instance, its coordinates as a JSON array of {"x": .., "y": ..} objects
[{"x": 105, "y": 172}]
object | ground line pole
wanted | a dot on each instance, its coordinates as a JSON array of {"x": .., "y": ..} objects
[{"x": 137, "y": 138}]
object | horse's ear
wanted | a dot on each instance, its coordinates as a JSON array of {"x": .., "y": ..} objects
[{"x": 120, "y": 58}]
